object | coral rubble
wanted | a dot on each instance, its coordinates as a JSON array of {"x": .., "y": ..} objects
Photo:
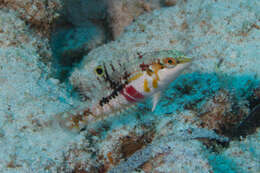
[
  {"x": 123, "y": 13},
  {"x": 39, "y": 14},
  {"x": 216, "y": 97}
]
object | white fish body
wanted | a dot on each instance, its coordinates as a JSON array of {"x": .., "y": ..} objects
[{"x": 112, "y": 86}]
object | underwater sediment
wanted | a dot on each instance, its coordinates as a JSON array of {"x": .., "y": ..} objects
[{"x": 206, "y": 121}]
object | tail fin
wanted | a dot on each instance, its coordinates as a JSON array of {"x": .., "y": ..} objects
[{"x": 74, "y": 120}]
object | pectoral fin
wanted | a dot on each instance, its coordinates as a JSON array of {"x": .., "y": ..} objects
[{"x": 156, "y": 98}]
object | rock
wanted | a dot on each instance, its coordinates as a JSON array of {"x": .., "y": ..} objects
[
  {"x": 222, "y": 36},
  {"x": 39, "y": 14}
]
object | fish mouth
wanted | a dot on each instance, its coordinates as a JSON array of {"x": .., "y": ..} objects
[{"x": 183, "y": 60}]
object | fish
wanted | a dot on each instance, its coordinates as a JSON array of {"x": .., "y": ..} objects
[{"x": 111, "y": 86}]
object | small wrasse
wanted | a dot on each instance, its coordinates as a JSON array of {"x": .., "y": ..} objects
[{"x": 108, "y": 87}]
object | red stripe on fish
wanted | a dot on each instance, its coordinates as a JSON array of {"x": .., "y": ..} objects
[
  {"x": 133, "y": 92},
  {"x": 127, "y": 97}
]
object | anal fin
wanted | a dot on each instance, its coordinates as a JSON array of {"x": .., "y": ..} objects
[{"x": 156, "y": 98}]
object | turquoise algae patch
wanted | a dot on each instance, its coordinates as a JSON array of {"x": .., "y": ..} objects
[{"x": 222, "y": 36}]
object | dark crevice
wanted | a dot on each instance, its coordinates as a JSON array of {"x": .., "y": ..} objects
[
  {"x": 250, "y": 124},
  {"x": 81, "y": 27},
  {"x": 239, "y": 124}
]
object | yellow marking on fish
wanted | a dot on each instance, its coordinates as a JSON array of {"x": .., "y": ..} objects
[
  {"x": 138, "y": 75},
  {"x": 146, "y": 87},
  {"x": 149, "y": 72},
  {"x": 156, "y": 67},
  {"x": 156, "y": 75},
  {"x": 155, "y": 83}
]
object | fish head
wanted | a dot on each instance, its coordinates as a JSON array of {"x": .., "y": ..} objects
[
  {"x": 171, "y": 68},
  {"x": 164, "y": 69}
]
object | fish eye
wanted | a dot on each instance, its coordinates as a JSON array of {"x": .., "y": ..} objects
[
  {"x": 170, "y": 61},
  {"x": 99, "y": 71}
]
